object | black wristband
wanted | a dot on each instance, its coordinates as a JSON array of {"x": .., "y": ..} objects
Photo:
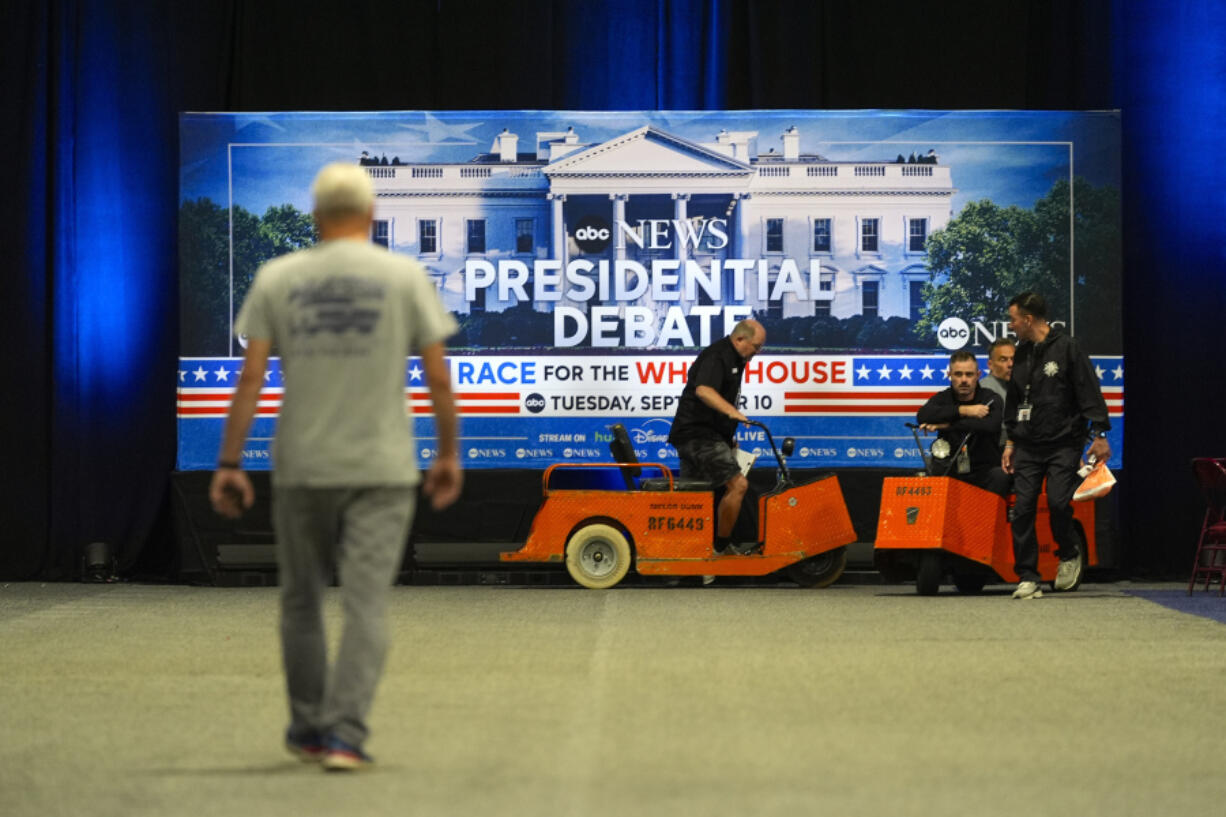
[{"x": 229, "y": 464}]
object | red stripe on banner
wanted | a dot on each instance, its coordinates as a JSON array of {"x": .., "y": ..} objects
[
  {"x": 214, "y": 411},
  {"x": 199, "y": 396},
  {"x": 852, "y": 394},
  {"x": 469, "y": 395},
  {"x": 853, "y": 410},
  {"x": 884, "y": 411},
  {"x": 858, "y": 395},
  {"x": 490, "y": 395},
  {"x": 877, "y": 411},
  {"x": 420, "y": 409}
]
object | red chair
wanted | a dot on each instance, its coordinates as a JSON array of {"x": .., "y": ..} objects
[{"x": 1210, "y": 559}]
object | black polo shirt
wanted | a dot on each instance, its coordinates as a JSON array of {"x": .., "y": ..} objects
[{"x": 719, "y": 366}]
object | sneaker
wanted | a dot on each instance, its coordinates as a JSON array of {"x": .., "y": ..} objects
[
  {"x": 1028, "y": 590},
  {"x": 344, "y": 757},
  {"x": 1068, "y": 574},
  {"x": 308, "y": 749},
  {"x": 708, "y": 580}
]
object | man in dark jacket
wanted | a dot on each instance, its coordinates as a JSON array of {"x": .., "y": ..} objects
[
  {"x": 1054, "y": 407},
  {"x": 704, "y": 428},
  {"x": 967, "y": 411}
]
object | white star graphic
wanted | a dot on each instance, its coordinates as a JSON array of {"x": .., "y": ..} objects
[
  {"x": 223, "y": 374},
  {"x": 438, "y": 131},
  {"x": 927, "y": 371},
  {"x": 884, "y": 372},
  {"x": 241, "y": 122},
  {"x": 200, "y": 374},
  {"x": 415, "y": 373},
  {"x": 267, "y": 375},
  {"x": 182, "y": 375},
  {"x": 1098, "y": 370},
  {"x": 904, "y": 373},
  {"x": 862, "y": 372},
  {"x": 1118, "y": 372}
]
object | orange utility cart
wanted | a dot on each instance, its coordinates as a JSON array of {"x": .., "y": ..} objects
[
  {"x": 661, "y": 530},
  {"x": 934, "y": 527}
]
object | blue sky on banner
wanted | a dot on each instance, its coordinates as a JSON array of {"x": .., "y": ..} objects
[{"x": 996, "y": 155}]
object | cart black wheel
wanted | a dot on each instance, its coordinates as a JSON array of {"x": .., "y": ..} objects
[
  {"x": 928, "y": 573},
  {"x": 597, "y": 556},
  {"x": 821, "y": 570},
  {"x": 970, "y": 582},
  {"x": 1081, "y": 556}
]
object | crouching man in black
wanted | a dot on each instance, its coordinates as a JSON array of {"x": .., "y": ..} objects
[{"x": 966, "y": 407}]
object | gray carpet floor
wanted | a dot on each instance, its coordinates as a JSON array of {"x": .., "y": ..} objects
[{"x": 853, "y": 700}]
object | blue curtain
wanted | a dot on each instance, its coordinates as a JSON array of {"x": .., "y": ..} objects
[
  {"x": 1170, "y": 73},
  {"x": 96, "y": 254},
  {"x": 92, "y": 88}
]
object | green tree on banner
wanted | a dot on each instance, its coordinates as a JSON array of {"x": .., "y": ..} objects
[
  {"x": 204, "y": 278},
  {"x": 204, "y": 264},
  {"x": 1097, "y": 262},
  {"x": 288, "y": 228},
  {"x": 988, "y": 254}
]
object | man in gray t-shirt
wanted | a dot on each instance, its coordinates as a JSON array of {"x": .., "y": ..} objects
[{"x": 343, "y": 316}]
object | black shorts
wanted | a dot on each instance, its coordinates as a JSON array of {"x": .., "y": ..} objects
[{"x": 711, "y": 460}]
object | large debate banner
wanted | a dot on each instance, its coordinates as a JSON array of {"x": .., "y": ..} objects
[{"x": 588, "y": 256}]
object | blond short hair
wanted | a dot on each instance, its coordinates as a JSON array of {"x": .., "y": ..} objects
[{"x": 342, "y": 189}]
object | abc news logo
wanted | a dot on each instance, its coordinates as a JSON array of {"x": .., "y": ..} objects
[
  {"x": 534, "y": 403},
  {"x": 593, "y": 234},
  {"x": 953, "y": 333}
]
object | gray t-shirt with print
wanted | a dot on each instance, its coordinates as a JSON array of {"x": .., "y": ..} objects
[{"x": 343, "y": 316}]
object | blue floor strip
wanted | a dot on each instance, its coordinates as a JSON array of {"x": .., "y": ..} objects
[{"x": 1200, "y": 603}]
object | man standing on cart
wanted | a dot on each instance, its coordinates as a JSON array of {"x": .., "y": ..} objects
[
  {"x": 704, "y": 427},
  {"x": 1054, "y": 407},
  {"x": 967, "y": 418}
]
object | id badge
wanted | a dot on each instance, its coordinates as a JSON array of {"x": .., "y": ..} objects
[
  {"x": 1023, "y": 412},
  {"x": 964, "y": 461}
]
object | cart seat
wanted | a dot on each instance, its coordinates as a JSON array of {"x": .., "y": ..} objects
[
  {"x": 623, "y": 452},
  {"x": 661, "y": 484}
]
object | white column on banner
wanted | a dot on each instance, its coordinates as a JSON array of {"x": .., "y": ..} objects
[
  {"x": 680, "y": 200},
  {"x": 619, "y": 218},
  {"x": 742, "y": 227},
  {"x": 558, "y": 227}
]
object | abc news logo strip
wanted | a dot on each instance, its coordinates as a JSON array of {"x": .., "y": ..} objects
[
  {"x": 493, "y": 443},
  {"x": 643, "y": 385},
  {"x": 522, "y": 442}
]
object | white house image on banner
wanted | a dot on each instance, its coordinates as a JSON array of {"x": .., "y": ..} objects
[{"x": 865, "y": 222}]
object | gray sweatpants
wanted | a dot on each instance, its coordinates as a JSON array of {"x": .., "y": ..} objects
[{"x": 363, "y": 531}]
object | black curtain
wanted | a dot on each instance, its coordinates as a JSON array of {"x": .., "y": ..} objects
[{"x": 79, "y": 469}]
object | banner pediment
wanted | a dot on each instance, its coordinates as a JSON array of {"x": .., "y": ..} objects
[{"x": 647, "y": 150}]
